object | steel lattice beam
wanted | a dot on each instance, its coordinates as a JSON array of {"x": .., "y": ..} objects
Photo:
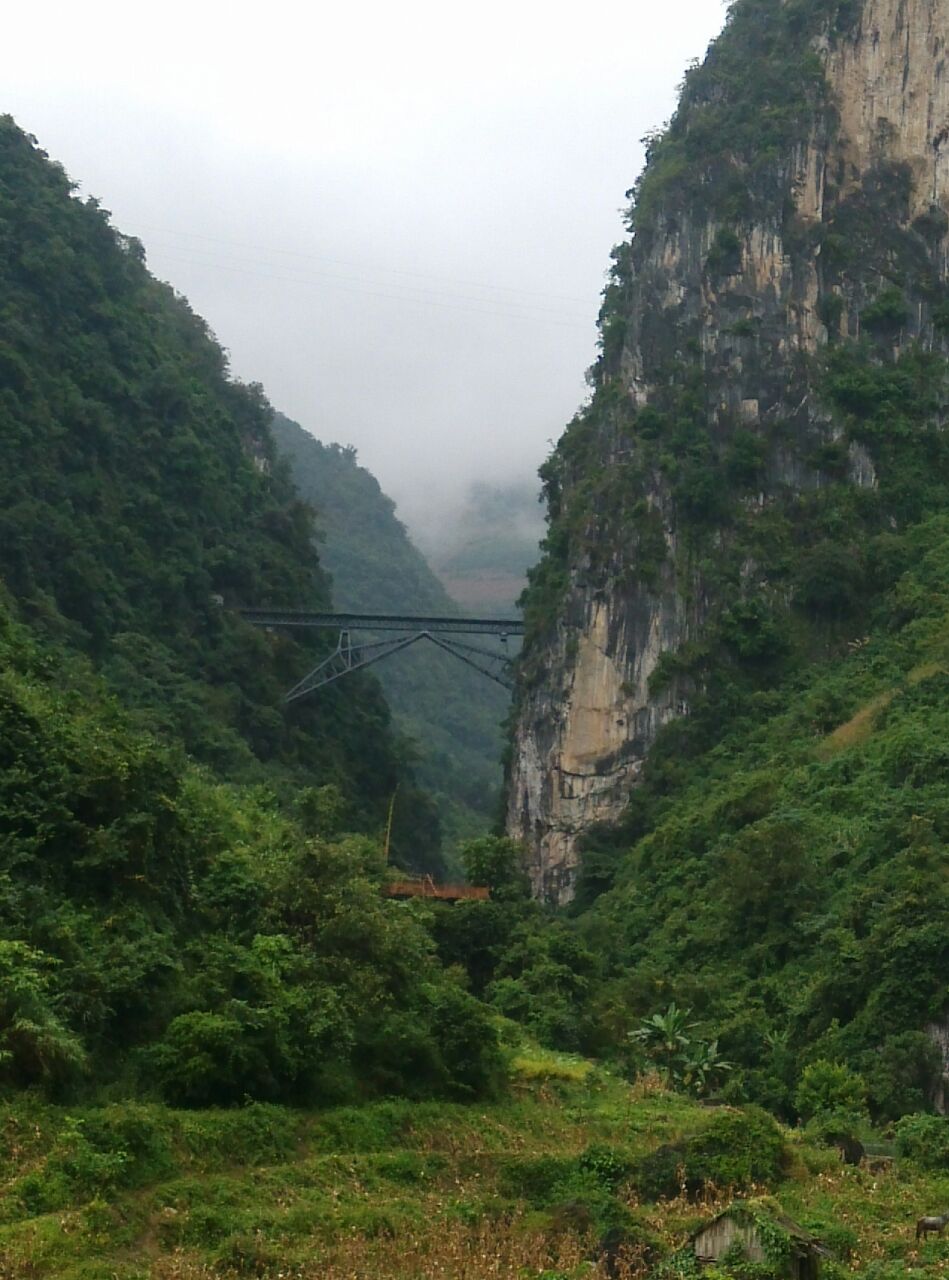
[
  {"x": 459, "y": 650},
  {"x": 382, "y": 622},
  {"x": 347, "y": 658}
]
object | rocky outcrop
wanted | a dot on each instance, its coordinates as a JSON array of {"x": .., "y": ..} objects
[
  {"x": 589, "y": 732},
  {"x": 890, "y": 86},
  {"x": 747, "y": 300}
]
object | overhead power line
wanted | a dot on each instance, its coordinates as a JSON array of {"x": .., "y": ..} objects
[
  {"x": 533, "y": 313},
  {"x": 261, "y": 251}
]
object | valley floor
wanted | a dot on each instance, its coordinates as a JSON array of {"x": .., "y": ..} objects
[{"x": 521, "y": 1188}]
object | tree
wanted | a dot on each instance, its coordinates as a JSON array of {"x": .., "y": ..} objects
[
  {"x": 828, "y": 1088},
  {"x": 685, "y": 1060},
  {"x": 498, "y": 863},
  {"x": 35, "y": 1046}
]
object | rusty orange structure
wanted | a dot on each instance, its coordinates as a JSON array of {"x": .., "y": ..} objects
[{"x": 425, "y": 887}]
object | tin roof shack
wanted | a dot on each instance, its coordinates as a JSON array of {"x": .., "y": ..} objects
[{"x": 750, "y": 1231}]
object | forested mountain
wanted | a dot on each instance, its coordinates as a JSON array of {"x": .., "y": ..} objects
[
  {"x": 729, "y": 778},
  {"x": 483, "y": 556},
  {"x": 730, "y": 740},
  {"x": 189, "y": 878},
  {"x": 137, "y": 485},
  {"x": 452, "y": 715}
]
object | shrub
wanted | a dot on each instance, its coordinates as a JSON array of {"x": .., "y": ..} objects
[
  {"x": 830, "y": 309},
  {"x": 828, "y": 579},
  {"x": 737, "y": 1149},
  {"x": 724, "y": 258},
  {"x": 685, "y": 1060},
  {"x": 467, "y": 1042},
  {"x": 35, "y": 1046},
  {"x": 607, "y": 1165},
  {"x": 887, "y": 312},
  {"x": 830, "y": 1087},
  {"x": 135, "y": 1133},
  {"x": 538, "y": 1180},
  {"x": 206, "y": 1059},
  {"x": 841, "y": 1240},
  {"x": 941, "y": 317},
  {"x": 75, "y": 1170},
  {"x": 662, "y": 1172},
  {"x": 257, "y": 1134},
  {"x": 902, "y": 1075},
  {"x": 924, "y": 1140}
]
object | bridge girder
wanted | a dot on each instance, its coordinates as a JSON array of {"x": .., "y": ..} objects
[
  {"x": 382, "y": 622},
  {"x": 348, "y": 657}
]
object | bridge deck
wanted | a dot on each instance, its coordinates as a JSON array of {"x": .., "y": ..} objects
[
  {"x": 427, "y": 888},
  {"x": 382, "y": 622}
]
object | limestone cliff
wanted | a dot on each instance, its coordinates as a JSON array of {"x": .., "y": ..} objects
[{"x": 795, "y": 203}]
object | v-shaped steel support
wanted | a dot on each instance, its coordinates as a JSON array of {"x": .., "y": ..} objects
[{"x": 347, "y": 658}]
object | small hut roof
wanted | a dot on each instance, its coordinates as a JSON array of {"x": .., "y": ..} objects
[{"x": 775, "y": 1214}]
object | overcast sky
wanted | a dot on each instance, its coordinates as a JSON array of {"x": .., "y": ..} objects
[{"x": 397, "y": 217}]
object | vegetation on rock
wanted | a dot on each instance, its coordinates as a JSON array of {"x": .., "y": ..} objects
[{"x": 779, "y": 868}]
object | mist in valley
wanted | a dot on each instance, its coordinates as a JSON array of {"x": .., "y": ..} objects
[{"x": 398, "y": 220}]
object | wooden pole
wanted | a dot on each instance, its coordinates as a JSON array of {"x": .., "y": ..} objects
[{"x": 389, "y": 821}]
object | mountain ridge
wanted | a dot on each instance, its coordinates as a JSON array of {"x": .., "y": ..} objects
[
  {"x": 191, "y": 877},
  {"x": 773, "y": 231}
]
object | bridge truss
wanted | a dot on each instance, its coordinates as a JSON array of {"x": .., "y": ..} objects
[{"x": 349, "y": 656}]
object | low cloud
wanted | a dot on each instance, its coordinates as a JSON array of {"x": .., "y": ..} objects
[{"x": 397, "y": 218}]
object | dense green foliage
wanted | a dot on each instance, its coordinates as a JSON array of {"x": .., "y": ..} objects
[
  {"x": 780, "y": 868},
  {"x": 451, "y": 714},
  {"x": 164, "y": 931},
  {"x": 671, "y": 1045},
  {"x": 515, "y": 953},
  {"x": 136, "y": 484},
  {"x": 191, "y": 897}
]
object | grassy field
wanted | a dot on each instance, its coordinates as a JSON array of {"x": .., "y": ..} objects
[{"x": 522, "y": 1188}]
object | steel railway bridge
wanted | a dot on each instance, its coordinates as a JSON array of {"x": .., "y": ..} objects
[{"x": 350, "y": 656}]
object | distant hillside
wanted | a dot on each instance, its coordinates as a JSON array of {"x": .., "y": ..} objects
[
  {"x": 452, "y": 714},
  {"x": 136, "y": 486},
  {"x": 482, "y": 558},
  {"x": 190, "y": 874}
]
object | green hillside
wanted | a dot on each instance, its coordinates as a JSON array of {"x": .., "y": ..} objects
[
  {"x": 575, "y": 1176},
  {"x": 780, "y": 868},
  {"x": 190, "y": 881},
  {"x": 484, "y": 555},
  {"x": 452, "y": 715},
  {"x": 137, "y": 485},
  {"x": 783, "y": 874},
  {"x": 167, "y": 932},
  {"x": 226, "y": 1049}
]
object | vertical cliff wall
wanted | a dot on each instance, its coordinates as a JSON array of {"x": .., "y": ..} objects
[{"x": 795, "y": 205}]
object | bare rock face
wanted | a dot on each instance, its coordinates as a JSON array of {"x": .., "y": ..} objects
[
  {"x": 584, "y": 744},
  {"x": 748, "y": 301},
  {"x": 891, "y": 87}
]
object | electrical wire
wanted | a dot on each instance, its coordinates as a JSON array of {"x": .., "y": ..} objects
[
  {"x": 260, "y": 251},
  {"x": 531, "y": 313}
]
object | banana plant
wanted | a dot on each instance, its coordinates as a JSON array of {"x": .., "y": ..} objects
[{"x": 685, "y": 1060}]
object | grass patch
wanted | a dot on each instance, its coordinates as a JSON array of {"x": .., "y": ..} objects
[
  {"x": 544, "y": 1064},
  {"x": 522, "y": 1188},
  {"x": 858, "y": 728}
]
